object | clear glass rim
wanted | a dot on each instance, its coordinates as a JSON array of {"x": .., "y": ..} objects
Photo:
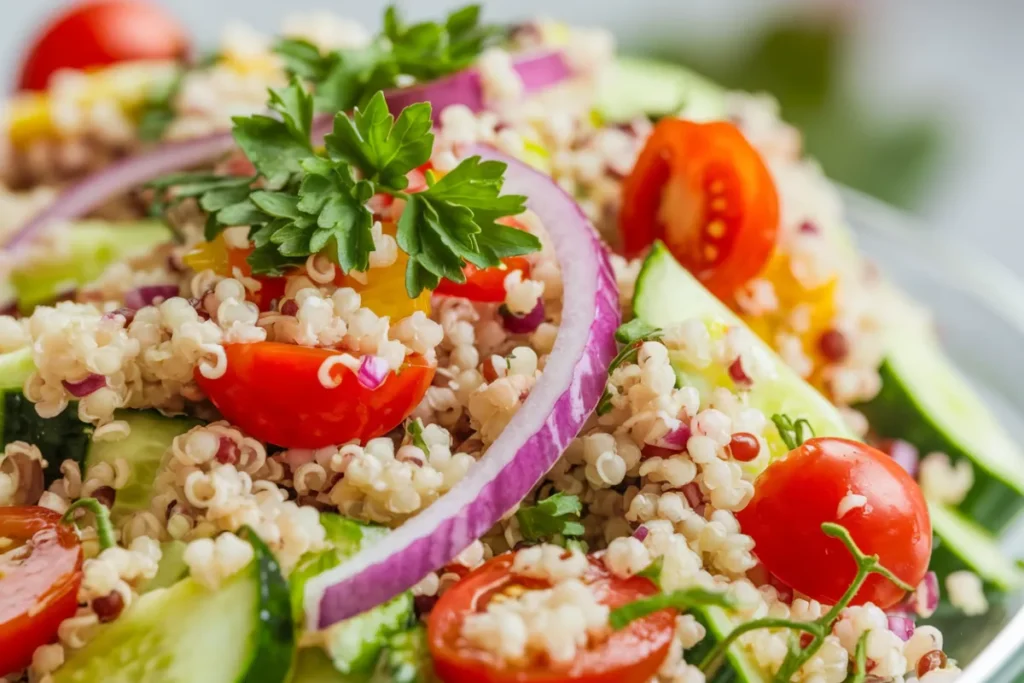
[{"x": 993, "y": 284}]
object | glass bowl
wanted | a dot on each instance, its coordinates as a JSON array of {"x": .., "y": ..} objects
[{"x": 978, "y": 306}]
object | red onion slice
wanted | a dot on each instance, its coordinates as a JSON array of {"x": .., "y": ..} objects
[
  {"x": 86, "y": 386},
  {"x": 925, "y": 599},
  {"x": 522, "y": 324},
  {"x": 548, "y": 420},
  {"x": 905, "y": 454},
  {"x": 372, "y": 371},
  {"x": 148, "y": 295},
  {"x": 537, "y": 71}
]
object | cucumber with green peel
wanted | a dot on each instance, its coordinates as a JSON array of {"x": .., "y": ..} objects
[
  {"x": 741, "y": 667},
  {"x": 963, "y": 544},
  {"x": 355, "y": 645},
  {"x": 636, "y": 87},
  {"x": 927, "y": 402},
  {"x": 87, "y": 248},
  {"x": 240, "y": 633},
  {"x": 667, "y": 294}
]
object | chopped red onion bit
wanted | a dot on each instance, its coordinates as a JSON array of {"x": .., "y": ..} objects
[
  {"x": 149, "y": 295},
  {"x": 641, "y": 533},
  {"x": 373, "y": 370},
  {"x": 926, "y": 597},
  {"x": 86, "y": 386},
  {"x": 676, "y": 438},
  {"x": 522, "y": 324},
  {"x": 902, "y": 625},
  {"x": 904, "y": 453},
  {"x": 738, "y": 375}
]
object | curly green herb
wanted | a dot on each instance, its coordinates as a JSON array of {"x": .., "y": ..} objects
[{"x": 104, "y": 527}]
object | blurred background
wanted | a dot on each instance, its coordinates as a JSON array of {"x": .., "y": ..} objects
[{"x": 918, "y": 102}]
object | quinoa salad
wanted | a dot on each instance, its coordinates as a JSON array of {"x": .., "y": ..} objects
[{"x": 453, "y": 352}]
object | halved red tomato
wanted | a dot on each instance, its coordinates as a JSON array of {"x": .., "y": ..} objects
[
  {"x": 705, "y": 191},
  {"x": 632, "y": 655},
  {"x": 40, "y": 572},
  {"x": 485, "y": 284},
  {"x": 273, "y": 392}
]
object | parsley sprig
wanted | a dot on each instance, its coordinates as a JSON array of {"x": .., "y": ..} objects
[
  {"x": 552, "y": 519},
  {"x": 307, "y": 201},
  {"x": 347, "y": 78}
]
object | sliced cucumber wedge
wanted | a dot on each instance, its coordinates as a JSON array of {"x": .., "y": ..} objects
[
  {"x": 741, "y": 669},
  {"x": 242, "y": 633},
  {"x": 90, "y": 246},
  {"x": 965, "y": 545},
  {"x": 172, "y": 567},
  {"x": 667, "y": 294},
  {"x": 143, "y": 449},
  {"x": 926, "y": 401},
  {"x": 644, "y": 87}
]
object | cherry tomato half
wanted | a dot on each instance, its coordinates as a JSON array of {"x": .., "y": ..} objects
[
  {"x": 39, "y": 579},
  {"x": 102, "y": 32},
  {"x": 485, "y": 284},
  {"x": 272, "y": 287},
  {"x": 632, "y": 655},
  {"x": 703, "y": 190},
  {"x": 796, "y": 494},
  {"x": 272, "y": 391}
]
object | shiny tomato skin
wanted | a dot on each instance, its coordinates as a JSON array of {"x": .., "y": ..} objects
[
  {"x": 705, "y": 191},
  {"x": 796, "y": 494},
  {"x": 484, "y": 284},
  {"x": 98, "y": 33},
  {"x": 39, "y": 591},
  {"x": 272, "y": 391},
  {"x": 632, "y": 655}
]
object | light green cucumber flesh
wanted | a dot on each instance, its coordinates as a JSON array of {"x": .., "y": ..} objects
[
  {"x": 240, "y": 633},
  {"x": 90, "y": 246},
  {"x": 144, "y": 450},
  {"x": 636, "y": 87},
  {"x": 738, "y": 666}
]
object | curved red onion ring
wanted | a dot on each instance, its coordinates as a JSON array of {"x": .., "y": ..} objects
[
  {"x": 537, "y": 71},
  {"x": 548, "y": 420}
]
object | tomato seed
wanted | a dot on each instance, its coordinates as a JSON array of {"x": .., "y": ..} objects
[
  {"x": 744, "y": 446},
  {"x": 935, "y": 659}
]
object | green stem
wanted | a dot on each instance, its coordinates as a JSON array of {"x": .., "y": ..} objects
[
  {"x": 793, "y": 434},
  {"x": 768, "y": 622},
  {"x": 860, "y": 660},
  {"x": 678, "y": 600},
  {"x": 104, "y": 527}
]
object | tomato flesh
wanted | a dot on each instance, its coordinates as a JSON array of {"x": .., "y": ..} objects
[
  {"x": 99, "y": 33},
  {"x": 796, "y": 494},
  {"x": 272, "y": 391},
  {"x": 40, "y": 572},
  {"x": 632, "y": 655},
  {"x": 484, "y": 284},
  {"x": 705, "y": 191}
]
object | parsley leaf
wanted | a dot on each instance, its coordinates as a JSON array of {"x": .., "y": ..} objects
[
  {"x": 557, "y": 515},
  {"x": 414, "y": 428},
  {"x": 158, "y": 109},
  {"x": 429, "y": 50},
  {"x": 276, "y": 146},
  {"x": 385, "y": 149}
]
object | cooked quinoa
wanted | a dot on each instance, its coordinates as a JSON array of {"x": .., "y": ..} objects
[{"x": 645, "y": 502}]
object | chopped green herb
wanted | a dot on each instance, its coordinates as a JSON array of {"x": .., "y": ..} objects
[
  {"x": 311, "y": 202},
  {"x": 557, "y": 515},
  {"x": 633, "y": 334},
  {"x": 636, "y": 329},
  {"x": 653, "y": 570},
  {"x": 414, "y": 428},
  {"x": 158, "y": 110}
]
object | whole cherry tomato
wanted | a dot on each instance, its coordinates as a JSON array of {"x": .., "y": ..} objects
[
  {"x": 99, "y": 33},
  {"x": 799, "y": 492},
  {"x": 703, "y": 190}
]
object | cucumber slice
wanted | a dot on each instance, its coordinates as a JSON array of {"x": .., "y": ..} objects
[
  {"x": 242, "y": 633},
  {"x": 406, "y": 658},
  {"x": 355, "y": 644},
  {"x": 312, "y": 665},
  {"x": 742, "y": 668},
  {"x": 91, "y": 246},
  {"x": 59, "y": 438},
  {"x": 927, "y": 402},
  {"x": 144, "y": 449},
  {"x": 644, "y": 87},
  {"x": 965, "y": 545},
  {"x": 16, "y": 367},
  {"x": 667, "y": 294},
  {"x": 172, "y": 567}
]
